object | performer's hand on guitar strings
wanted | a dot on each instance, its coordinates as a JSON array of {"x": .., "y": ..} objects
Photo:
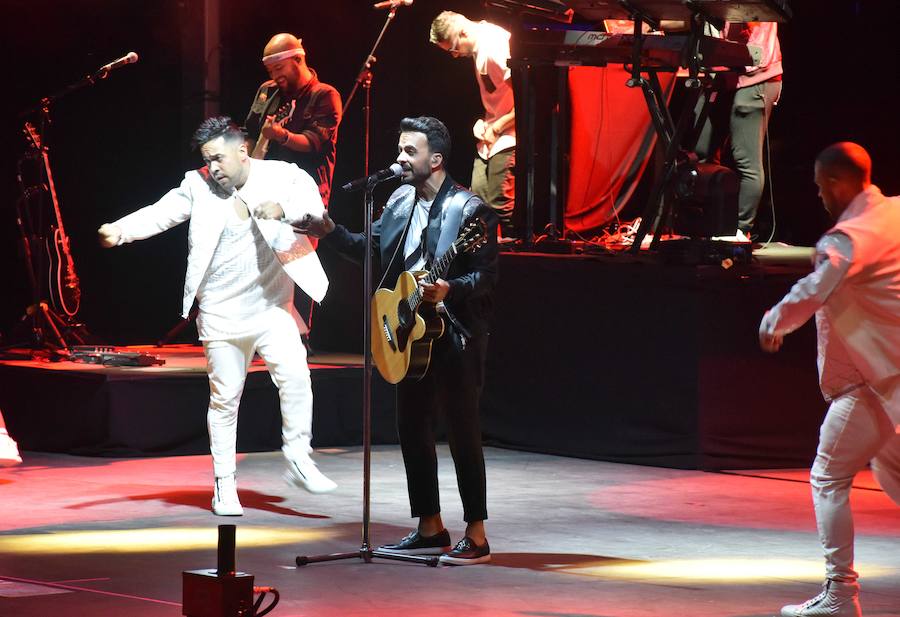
[
  {"x": 268, "y": 210},
  {"x": 272, "y": 130},
  {"x": 109, "y": 235},
  {"x": 435, "y": 293},
  {"x": 315, "y": 226}
]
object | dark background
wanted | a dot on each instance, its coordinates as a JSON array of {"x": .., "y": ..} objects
[{"x": 122, "y": 143}]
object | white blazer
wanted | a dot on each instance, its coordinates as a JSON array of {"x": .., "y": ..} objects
[{"x": 199, "y": 200}]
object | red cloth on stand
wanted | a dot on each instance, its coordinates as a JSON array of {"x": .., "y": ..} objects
[{"x": 612, "y": 139}]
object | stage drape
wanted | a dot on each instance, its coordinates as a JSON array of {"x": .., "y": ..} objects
[{"x": 612, "y": 139}]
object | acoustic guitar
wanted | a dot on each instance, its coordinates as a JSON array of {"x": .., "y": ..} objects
[{"x": 403, "y": 329}]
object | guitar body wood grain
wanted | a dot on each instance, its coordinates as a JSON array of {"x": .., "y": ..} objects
[{"x": 394, "y": 331}]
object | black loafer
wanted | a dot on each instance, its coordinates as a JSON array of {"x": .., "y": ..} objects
[
  {"x": 417, "y": 544},
  {"x": 467, "y": 553}
]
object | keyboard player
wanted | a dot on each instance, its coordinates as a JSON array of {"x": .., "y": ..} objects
[{"x": 739, "y": 117}]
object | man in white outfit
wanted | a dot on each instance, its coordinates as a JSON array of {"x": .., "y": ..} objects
[
  {"x": 243, "y": 261},
  {"x": 9, "y": 449},
  {"x": 854, "y": 293}
]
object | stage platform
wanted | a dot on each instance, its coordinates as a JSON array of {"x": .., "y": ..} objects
[
  {"x": 632, "y": 360},
  {"x": 570, "y": 537},
  {"x": 604, "y": 357}
]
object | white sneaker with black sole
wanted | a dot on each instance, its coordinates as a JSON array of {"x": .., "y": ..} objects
[
  {"x": 225, "y": 500},
  {"x": 305, "y": 474}
]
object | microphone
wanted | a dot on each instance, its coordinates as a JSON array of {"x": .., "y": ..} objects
[
  {"x": 391, "y": 4},
  {"x": 129, "y": 58},
  {"x": 379, "y": 176}
]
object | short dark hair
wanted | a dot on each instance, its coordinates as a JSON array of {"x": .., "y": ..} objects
[
  {"x": 435, "y": 132},
  {"x": 846, "y": 159},
  {"x": 214, "y": 127}
]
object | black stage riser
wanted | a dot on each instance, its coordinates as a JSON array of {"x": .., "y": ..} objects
[
  {"x": 141, "y": 415},
  {"x": 591, "y": 357},
  {"x": 649, "y": 364}
]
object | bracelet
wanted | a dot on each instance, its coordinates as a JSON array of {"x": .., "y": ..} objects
[{"x": 287, "y": 137}]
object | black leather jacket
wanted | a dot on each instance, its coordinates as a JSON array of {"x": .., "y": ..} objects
[{"x": 472, "y": 275}]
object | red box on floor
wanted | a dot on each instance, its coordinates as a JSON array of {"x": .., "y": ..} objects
[{"x": 206, "y": 594}]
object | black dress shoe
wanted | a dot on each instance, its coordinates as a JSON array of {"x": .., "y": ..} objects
[
  {"x": 417, "y": 544},
  {"x": 467, "y": 553}
]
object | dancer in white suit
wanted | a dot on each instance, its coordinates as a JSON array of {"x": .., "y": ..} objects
[
  {"x": 243, "y": 261},
  {"x": 854, "y": 294}
]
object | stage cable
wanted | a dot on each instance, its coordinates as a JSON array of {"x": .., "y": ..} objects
[{"x": 769, "y": 164}]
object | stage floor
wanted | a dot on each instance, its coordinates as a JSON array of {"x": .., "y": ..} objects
[{"x": 570, "y": 537}]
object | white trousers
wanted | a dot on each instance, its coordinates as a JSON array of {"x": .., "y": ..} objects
[
  {"x": 283, "y": 352},
  {"x": 856, "y": 430}
]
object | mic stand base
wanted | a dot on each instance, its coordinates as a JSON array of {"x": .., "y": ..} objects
[
  {"x": 47, "y": 331},
  {"x": 367, "y": 554}
]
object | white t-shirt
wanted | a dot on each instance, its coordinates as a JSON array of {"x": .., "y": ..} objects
[
  {"x": 491, "y": 52},
  {"x": 414, "y": 235},
  {"x": 244, "y": 280}
]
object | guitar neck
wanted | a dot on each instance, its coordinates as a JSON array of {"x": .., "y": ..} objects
[
  {"x": 438, "y": 270},
  {"x": 52, "y": 186},
  {"x": 261, "y": 147}
]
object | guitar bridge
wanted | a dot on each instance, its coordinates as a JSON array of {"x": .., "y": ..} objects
[{"x": 387, "y": 333}]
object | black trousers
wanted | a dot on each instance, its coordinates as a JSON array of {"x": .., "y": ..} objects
[{"x": 452, "y": 386}]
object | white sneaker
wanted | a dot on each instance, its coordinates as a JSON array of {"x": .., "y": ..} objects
[
  {"x": 225, "y": 500},
  {"x": 305, "y": 474},
  {"x": 836, "y": 600},
  {"x": 9, "y": 451}
]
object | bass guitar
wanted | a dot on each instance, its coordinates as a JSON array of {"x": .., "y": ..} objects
[{"x": 402, "y": 336}]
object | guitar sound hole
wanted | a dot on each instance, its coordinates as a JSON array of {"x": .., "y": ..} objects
[
  {"x": 405, "y": 322},
  {"x": 404, "y": 317}
]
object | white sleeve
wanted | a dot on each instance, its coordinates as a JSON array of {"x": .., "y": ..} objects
[
  {"x": 173, "y": 208},
  {"x": 834, "y": 254},
  {"x": 496, "y": 67},
  {"x": 302, "y": 196}
]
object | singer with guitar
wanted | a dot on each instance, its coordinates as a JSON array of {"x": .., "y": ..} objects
[{"x": 422, "y": 217}]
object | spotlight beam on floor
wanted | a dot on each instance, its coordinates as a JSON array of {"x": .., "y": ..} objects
[{"x": 152, "y": 540}]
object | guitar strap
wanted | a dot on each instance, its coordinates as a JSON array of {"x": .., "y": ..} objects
[
  {"x": 399, "y": 248},
  {"x": 451, "y": 220}
]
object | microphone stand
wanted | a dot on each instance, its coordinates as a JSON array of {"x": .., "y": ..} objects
[
  {"x": 365, "y": 551},
  {"x": 364, "y": 77},
  {"x": 88, "y": 80},
  {"x": 49, "y": 329}
]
